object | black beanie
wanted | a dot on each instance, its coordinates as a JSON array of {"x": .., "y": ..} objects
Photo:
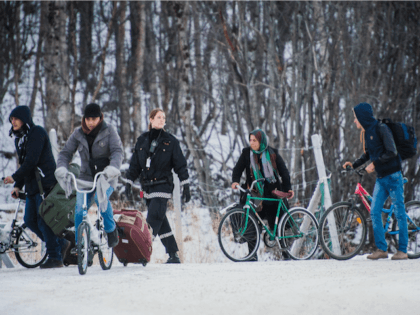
[{"x": 92, "y": 110}]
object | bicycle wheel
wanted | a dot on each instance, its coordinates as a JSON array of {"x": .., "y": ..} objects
[
  {"x": 350, "y": 227},
  {"x": 239, "y": 235},
  {"x": 105, "y": 253},
  {"x": 412, "y": 208},
  {"x": 30, "y": 251},
  {"x": 83, "y": 241},
  {"x": 300, "y": 235}
]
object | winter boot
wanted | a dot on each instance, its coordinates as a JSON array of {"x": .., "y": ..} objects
[
  {"x": 51, "y": 263},
  {"x": 399, "y": 256},
  {"x": 285, "y": 256},
  {"x": 254, "y": 258},
  {"x": 113, "y": 238},
  {"x": 173, "y": 259},
  {"x": 65, "y": 248},
  {"x": 378, "y": 255}
]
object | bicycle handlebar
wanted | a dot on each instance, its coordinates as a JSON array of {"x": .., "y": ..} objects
[
  {"x": 252, "y": 185},
  {"x": 361, "y": 171},
  {"x": 86, "y": 191}
]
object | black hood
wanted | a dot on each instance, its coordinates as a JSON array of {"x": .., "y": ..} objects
[
  {"x": 24, "y": 114},
  {"x": 364, "y": 114}
]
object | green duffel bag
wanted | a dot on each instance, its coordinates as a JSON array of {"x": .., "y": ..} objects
[{"x": 58, "y": 211}]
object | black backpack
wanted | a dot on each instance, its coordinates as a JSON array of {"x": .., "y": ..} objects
[{"x": 404, "y": 137}]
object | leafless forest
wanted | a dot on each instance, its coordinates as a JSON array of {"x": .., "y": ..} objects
[{"x": 219, "y": 70}]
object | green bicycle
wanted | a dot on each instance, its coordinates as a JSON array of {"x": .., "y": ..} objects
[{"x": 240, "y": 230}]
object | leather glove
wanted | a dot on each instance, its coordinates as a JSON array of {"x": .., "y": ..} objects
[
  {"x": 186, "y": 194},
  {"x": 128, "y": 191}
]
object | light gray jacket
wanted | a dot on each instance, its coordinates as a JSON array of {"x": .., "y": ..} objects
[{"x": 107, "y": 144}]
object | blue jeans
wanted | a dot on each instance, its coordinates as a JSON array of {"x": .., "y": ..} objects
[
  {"x": 391, "y": 185},
  {"x": 37, "y": 225},
  {"x": 109, "y": 223}
]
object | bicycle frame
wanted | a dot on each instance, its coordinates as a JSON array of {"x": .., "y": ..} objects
[
  {"x": 12, "y": 229},
  {"x": 10, "y": 232},
  {"x": 365, "y": 197},
  {"x": 85, "y": 207},
  {"x": 249, "y": 205}
]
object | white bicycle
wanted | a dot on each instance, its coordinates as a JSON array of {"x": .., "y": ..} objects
[
  {"x": 30, "y": 251},
  {"x": 88, "y": 246}
]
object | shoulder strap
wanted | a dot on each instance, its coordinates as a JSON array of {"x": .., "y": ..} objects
[{"x": 38, "y": 179}]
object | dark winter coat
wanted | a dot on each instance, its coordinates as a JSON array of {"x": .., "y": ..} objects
[
  {"x": 167, "y": 156},
  {"x": 379, "y": 143},
  {"x": 38, "y": 155},
  {"x": 244, "y": 163}
]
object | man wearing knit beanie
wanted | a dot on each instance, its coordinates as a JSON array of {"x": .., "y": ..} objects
[
  {"x": 100, "y": 149},
  {"x": 379, "y": 147},
  {"x": 92, "y": 110}
]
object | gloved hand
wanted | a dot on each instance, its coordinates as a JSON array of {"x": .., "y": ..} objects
[
  {"x": 111, "y": 172},
  {"x": 64, "y": 179},
  {"x": 186, "y": 194},
  {"x": 128, "y": 191}
]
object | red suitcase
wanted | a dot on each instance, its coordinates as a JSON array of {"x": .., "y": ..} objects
[{"x": 135, "y": 245}]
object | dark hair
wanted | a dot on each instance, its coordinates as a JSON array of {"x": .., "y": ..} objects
[{"x": 152, "y": 115}]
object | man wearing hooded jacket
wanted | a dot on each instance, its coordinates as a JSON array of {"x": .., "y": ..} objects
[
  {"x": 35, "y": 155},
  {"x": 379, "y": 147}
]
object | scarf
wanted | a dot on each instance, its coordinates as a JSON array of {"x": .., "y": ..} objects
[
  {"x": 91, "y": 134},
  {"x": 269, "y": 171},
  {"x": 22, "y": 135}
]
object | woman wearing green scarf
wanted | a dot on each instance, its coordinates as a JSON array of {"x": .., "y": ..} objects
[{"x": 262, "y": 161}]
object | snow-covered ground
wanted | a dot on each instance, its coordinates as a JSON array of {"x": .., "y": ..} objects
[
  {"x": 357, "y": 286},
  {"x": 207, "y": 283}
]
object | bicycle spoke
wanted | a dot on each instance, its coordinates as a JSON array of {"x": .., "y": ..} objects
[
  {"x": 299, "y": 230},
  {"x": 238, "y": 235},
  {"x": 412, "y": 209},
  {"x": 30, "y": 251},
  {"x": 350, "y": 227}
]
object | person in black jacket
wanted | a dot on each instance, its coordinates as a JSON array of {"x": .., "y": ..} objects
[
  {"x": 262, "y": 161},
  {"x": 155, "y": 155},
  {"x": 35, "y": 155},
  {"x": 379, "y": 147}
]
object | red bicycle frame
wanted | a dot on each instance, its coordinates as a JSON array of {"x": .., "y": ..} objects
[{"x": 363, "y": 194}]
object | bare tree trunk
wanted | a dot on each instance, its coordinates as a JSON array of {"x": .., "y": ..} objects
[
  {"x": 194, "y": 143},
  {"x": 121, "y": 75},
  {"x": 138, "y": 66},
  {"x": 57, "y": 72},
  {"x": 103, "y": 55},
  {"x": 41, "y": 37},
  {"x": 198, "y": 81},
  {"x": 85, "y": 66},
  {"x": 17, "y": 55},
  {"x": 75, "y": 64}
]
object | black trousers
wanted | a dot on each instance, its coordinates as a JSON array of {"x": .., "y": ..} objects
[
  {"x": 269, "y": 212},
  {"x": 156, "y": 217}
]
